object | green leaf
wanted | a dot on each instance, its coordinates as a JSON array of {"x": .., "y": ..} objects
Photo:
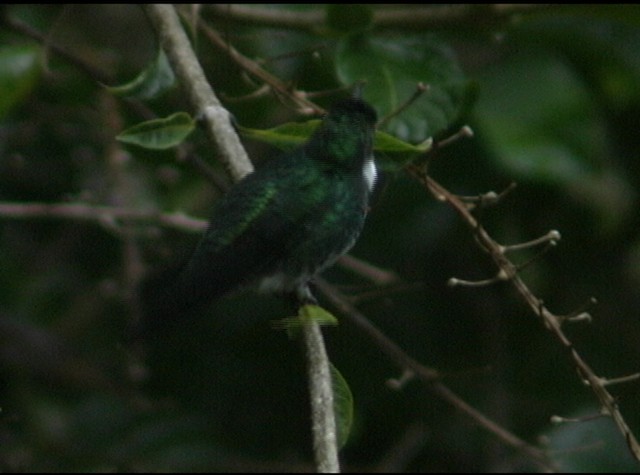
[
  {"x": 390, "y": 144},
  {"x": 157, "y": 78},
  {"x": 542, "y": 125},
  {"x": 342, "y": 406},
  {"x": 603, "y": 48},
  {"x": 393, "y": 152},
  {"x": 315, "y": 313},
  {"x": 524, "y": 108},
  {"x": 286, "y": 136},
  {"x": 306, "y": 314},
  {"x": 392, "y": 69},
  {"x": 160, "y": 134},
  {"x": 18, "y": 74}
]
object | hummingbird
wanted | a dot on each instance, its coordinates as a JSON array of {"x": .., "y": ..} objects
[{"x": 287, "y": 221}]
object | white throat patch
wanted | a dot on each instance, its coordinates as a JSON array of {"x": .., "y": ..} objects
[{"x": 370, "y": 172}]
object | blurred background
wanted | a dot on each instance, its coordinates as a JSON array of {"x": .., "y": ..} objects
[{"x": 553, "y": 96}]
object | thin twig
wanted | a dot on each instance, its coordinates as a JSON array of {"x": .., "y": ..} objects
[
  {"x": 252, "y": 67},
  {"x": 551, "y": 322},
  {"x": 104, "y": 215},
  {"x": 421, "y": 88},
  {"x": 374, "y": 274}
]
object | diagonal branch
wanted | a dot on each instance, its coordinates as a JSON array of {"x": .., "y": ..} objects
[
  {"x": 252, "y": 67},
  {"x": 552, "y": 322}
]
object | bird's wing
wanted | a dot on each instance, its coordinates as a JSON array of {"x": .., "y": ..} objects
[{"x": 252, "y": 229}]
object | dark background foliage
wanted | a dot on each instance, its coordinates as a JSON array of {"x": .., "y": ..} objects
[{"x": 553, "y": 98}]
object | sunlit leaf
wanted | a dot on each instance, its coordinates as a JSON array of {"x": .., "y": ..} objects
[
  {"x": 317, "y": 314},
  {"x": 306, "y": 314}
]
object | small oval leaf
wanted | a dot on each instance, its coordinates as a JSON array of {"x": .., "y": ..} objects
[
  {"x": 342, "y": 406},
  {"x": 306, "y": 314},
  {"x": 285, "y": 136},
  {"x": 160, "y": 134},
  {"x": 316, "y": 313},
  {"x": 393, "y": 153}
]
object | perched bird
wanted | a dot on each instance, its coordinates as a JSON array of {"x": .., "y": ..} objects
[{"x": 285, "y": 222}]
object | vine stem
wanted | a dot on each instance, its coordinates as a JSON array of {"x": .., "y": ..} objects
[{"x": 176, "y": 45}]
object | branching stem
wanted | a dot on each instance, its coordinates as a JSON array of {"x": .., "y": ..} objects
[{"x": 552, "y": 322}]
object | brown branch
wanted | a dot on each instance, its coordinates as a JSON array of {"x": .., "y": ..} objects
[
  {"x": 375, "y": 274},
  {"x": 107, "y": 216},
  {"x": 552, "y": 322}
]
